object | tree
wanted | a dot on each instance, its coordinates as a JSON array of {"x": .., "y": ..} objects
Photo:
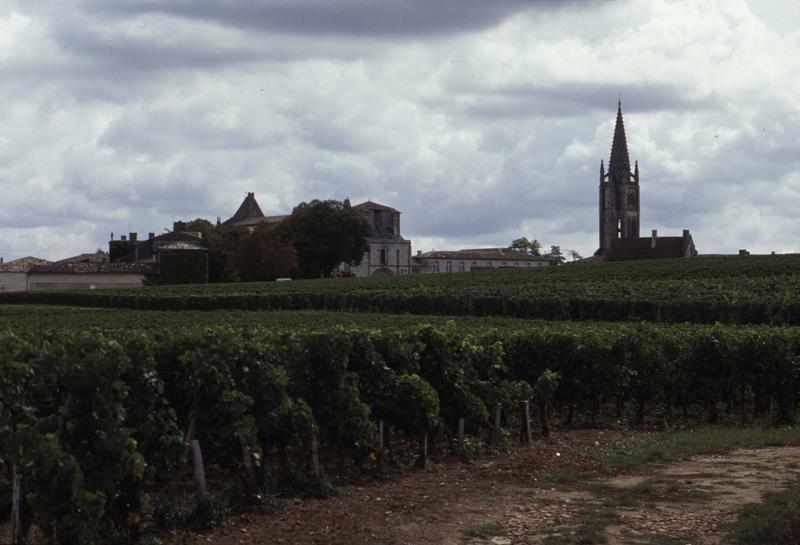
[
  {"x": 556, "y": 255},
  {"x": 530, "y": 247},
  {"x": 325, "y": 234},
  {"x": 223, "y": 241},
  {"x": 264, "y": 255}
]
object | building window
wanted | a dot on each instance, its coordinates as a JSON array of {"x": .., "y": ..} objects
[
  {"x": 449, "y": 266},
  {"x": 435, "y": 266},
  {"x": 461, "y": 267},
  {"x": 619, "y": 227},
  {"x": 474, "y": 264},
  {"x": 488, "y": 263},
  {"x": 528, "y": 264},
  {"x": 383, "y": 257}
]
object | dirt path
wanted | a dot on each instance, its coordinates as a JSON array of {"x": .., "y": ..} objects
[{"x": 532, "y": 496}]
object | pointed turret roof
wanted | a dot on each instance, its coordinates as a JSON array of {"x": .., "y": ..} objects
[
  {"x": 619, "y": 165},
  {"x": 248, "y": 210}
]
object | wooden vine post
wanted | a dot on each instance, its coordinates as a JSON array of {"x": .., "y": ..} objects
[
  {"x": 498, "y": 411},
  {"x": 315, "y": 457},
  {"x": 525, "y": 434},
  {"x": 461, "y": 424},
  {"x": 422, "y": 459},
  {"x": 381, "y": 442},
  {"x": 199, "y": 472},
  {"x": 16, "y": 500}
]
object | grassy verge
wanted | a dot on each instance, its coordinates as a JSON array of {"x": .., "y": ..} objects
[
  {"x": 775, "y": 521},
  {"x": 666, "y": 447}
]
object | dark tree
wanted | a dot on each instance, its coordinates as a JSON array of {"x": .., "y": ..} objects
[
  {"x": 325, "y": 234},
  {"x": 530, "y": 247},
  {"x": 222, "y": 240},
  {"x": 264, "y": 255}
]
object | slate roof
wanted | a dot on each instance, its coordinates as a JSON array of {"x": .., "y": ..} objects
[
  {"x": 623, "y": 249},
  {"x": 486, "y": 254},
  {"x": 619, "y": 165},
  {"x": 248, "y": 211},
  {"x": 94, "y": 268},
  {"x": 22, "y": 264}
]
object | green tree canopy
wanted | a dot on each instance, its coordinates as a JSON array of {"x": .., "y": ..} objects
[
  {"x": 530, "y": 247},
  {"x": 325, "y": 233},
  {"x": 556, "y": 255},
  {"x": 264, "y": 255},
  {"x": 223, "y": 241}
]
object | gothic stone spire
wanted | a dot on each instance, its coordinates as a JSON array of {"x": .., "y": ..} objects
[{"x": 619, "y": 165}]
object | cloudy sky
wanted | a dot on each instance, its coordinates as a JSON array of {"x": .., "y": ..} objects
[{"x": 482, "y": 121}]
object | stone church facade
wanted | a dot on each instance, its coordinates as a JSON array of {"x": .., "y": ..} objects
[
  {"x": 389, "y": 253},
  {"x": 618, "y": 210}
]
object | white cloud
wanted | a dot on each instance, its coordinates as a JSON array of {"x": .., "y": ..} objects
[{"x": 480, "y": 127}]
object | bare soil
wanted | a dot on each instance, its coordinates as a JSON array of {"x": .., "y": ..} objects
[
  {"x": 532, "y": 495},
  {"x": 527, "y": 497}
]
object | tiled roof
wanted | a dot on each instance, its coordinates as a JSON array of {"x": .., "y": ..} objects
[
  {"x": 248, "y": 210},
  {"x": 96, "y": 257},
  {"x": 94, "y": 268},
  {"x": 487, "y": 254},
  {"x": 369, "y": 205},
  {"x": 623, "y": 249},
  {"x": 22, "y": 264}
]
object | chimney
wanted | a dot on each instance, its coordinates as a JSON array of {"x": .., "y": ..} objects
[
  {"x": 133, "y": 236},
  {"x": 1, "y": 259},
  {"x": 123, "y": 238},
  {"x": 653, "y": 238},
  {"x": 744, "y": 252},
  {"x": 151, "y": 236},
  {"x": 112, "y": 236},
  {"x": 419, "y": 252},
  {"x": 685, "y": 233}
]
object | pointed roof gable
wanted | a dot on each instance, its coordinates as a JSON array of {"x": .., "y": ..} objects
[
  {"x": 248, "y": 210},
  {"x": 619, "y": 165}
]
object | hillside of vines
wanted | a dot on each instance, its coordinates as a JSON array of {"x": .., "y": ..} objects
[{"x": 746, "y": 290}]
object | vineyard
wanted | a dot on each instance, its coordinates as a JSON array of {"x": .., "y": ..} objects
[
  {"x": 746, "y": 290},
  {"x": 93, "y": 420},
  {"x": 105, "y": 405}
]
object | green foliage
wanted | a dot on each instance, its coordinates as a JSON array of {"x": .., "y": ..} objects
[
  {"x": 531, "y": 247},
  {"x": 752, "y": 290},
  {"x": 180, "y": 267},
  {"x": 775, "y": 521},
  {"x": 325, "y": 233},
  {"x": 264, "y": 255},
  {"x": 223, "y": 241},
  {"x": 95, "y": 417}
]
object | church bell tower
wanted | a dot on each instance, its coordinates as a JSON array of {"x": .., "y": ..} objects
[{"x": 619, "y": 192}]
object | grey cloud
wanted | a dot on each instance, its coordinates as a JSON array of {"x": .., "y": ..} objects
[{"x": 357, "y": 18}]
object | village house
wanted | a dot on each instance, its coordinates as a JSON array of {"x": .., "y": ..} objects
[{"x": 476, "y": 259}]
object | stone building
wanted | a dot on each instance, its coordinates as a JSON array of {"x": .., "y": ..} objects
[
  {"x": 477, "y": 259},
  {"x": 389, "y": 253},
  {"x": 619, "y": 210},
  {"x": 177, "y": 257},
  {"x": 92, "y": 271},
  {"x": 14, "y": 274},
  {"x": 249, "y": 214}
]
